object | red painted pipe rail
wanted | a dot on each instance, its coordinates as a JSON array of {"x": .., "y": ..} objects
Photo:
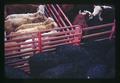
[{"x": 98, "y": 26}]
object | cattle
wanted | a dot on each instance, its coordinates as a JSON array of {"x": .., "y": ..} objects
[
  {"x": 98, "y": 14},
  {"x": 12, "y": 16},
  {"x": 12, "y": 24},
  {"x": 15, "y": 20},
  {"x": 26, "y": 28},
  {"x": 101, "y": 14},
  {"x": 48, "y": 24}
]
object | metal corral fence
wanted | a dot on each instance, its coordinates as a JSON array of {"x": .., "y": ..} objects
[{"x": 17, "y": 51}]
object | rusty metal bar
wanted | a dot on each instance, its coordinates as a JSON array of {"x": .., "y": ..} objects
[
  {"x": 22, "y": 55},
  {"x": 26, "y": 69},
  {"x": 60, "y": 37},
  {"x": 60, "y": 33},
  {"x": 47, "y": 12},
  {"x": 58, "y": 15},
  {"x": 18, "y": 53},
  {"x": 11, "y": 62},
  {"x": 18, "y": 44},
  {"x": 19, "y": 63},
  {"x": 96, "y": 34},
  {"x": 33, "y": 44},
  {"x": 98, "y": 27},
  {"x": 64, "y": 15},
  {"x": 19, "y": 48},
  {"x": 61, "y": 44},
  {"x": 53, "y": 42},
  {"x": 63, "y": 23},
  {"x": 63, "y": 40},
  {"x": 51, "y": 49},
  {"x": 39, "y": 41},
  {"x": 113, "y": 30},
  {"x": 19, "y": 39},
  {"x": 55, "y": 17},
  {"x": 21, "y": 66}
]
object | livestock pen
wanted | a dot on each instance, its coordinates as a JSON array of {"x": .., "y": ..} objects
[{"x": 67, "y": 33}]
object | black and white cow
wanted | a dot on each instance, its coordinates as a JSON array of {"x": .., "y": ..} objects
[
  {"x": 98, "y": 14},
  {"x": 102, "y": 13}
]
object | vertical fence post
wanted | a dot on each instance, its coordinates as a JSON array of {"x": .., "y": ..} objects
[
  {"x": 33, "y": 44},
  {"x": 5, "y": 38},
  {"x": 77, "y": 38},
  {"x": 113, "y": 30},
  {"x": 62, "y": 13},
  {"x": 40, "y": 41}
]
